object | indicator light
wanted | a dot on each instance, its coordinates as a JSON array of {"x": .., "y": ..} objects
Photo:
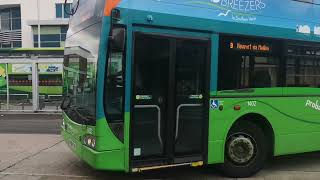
[
  {"x": 90, "y": 141},
  {"x": 237, "y": 108}
]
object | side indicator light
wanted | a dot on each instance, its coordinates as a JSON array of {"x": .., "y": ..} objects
[{"x": 237, "y": 108}]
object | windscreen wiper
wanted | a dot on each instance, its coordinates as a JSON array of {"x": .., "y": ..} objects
[
  {"x": 86, "y": 118},
  {"x": 65, "y": 105}
]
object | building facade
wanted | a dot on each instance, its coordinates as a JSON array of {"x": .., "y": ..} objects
[
  {"x": 19, "y": 21},
  {"x": 31, "y": 72}
]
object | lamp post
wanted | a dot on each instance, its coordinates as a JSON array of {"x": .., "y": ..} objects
[
  {"x": 38, "y": 10},
  {"x": 35, "y": 77}
]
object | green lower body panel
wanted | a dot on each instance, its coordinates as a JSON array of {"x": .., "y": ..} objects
[
  {"x": 293, "y": 143},
  {"x": 103, "y": 157},
  {"x": 105, "y": 160},
  {"x": 215, "y": 152},
  {"x": 294, "y": 123},
  {"x": 108, "y": 160}
]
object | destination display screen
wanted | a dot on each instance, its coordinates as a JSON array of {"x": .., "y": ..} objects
[{"x": 249, "y": 46}]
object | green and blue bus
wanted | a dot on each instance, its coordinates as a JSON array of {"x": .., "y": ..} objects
[{"x": 154, "y": 84}]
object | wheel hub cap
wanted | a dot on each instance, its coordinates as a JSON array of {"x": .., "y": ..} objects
[{"x": 241, "y": 149}]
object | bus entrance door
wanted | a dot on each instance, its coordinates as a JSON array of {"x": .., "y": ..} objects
[
  {"x": 170, "y": 96},
  {"x": 190, "y": 99}
]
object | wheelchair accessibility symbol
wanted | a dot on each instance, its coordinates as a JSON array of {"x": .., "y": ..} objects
[{"x": 214, "y": 104}]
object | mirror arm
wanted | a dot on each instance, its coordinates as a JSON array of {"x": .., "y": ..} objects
[{"x": 113, "y": 19}]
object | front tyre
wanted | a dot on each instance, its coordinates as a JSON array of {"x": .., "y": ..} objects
[{"x": 246, "y": 150}]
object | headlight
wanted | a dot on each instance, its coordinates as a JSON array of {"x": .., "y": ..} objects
[{"x": 89, "y": 141}]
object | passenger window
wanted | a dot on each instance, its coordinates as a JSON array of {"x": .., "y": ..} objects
[
  {"x": 266, "y": 72},
  {"x": 248, "y": 63},
  {"x": 303, "y": 67}
]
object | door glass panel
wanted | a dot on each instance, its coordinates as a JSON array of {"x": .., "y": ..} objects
[
  {"x": 150, "y": 93},
  {"x": 3, "y": 87},
  {"x": 50, "y": 86},
  {"x": 190, "y": 89},
  {"x": 20, "y": 86}
]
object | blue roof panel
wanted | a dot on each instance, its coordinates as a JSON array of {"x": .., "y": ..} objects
[{"x": 294, "y": 16}]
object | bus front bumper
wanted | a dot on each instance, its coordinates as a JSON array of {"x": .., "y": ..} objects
[{"x": 105, "y": 160}]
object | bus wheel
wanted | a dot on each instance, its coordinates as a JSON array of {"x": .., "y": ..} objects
[{"x": 246, "y": 150}]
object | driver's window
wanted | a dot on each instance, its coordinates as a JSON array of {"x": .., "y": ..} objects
[
  {"x": 115, "y": 64},
  {"x": 114, "y": 87}
]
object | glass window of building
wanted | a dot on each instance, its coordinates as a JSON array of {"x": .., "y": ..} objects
[
  {"x": 10, "y": 19},
  {"x": 51, "y": 36},
  {"x": 10, "y": 22},
  {"x": 63, "y": 33},
  {"x": 5, "y": 20},
  {"x": 13, "y": 44},
  {"x": 16, "y": 18},
  {"x": 61, "y": 10}
]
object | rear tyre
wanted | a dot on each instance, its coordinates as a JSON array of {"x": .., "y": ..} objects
[{"x": 246, "y": 150}]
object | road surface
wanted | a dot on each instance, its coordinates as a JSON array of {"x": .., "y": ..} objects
[
  {"x": 30, "y": 148},
  {"x": 30, "y": 123},
  {"x": 47, "y": 157}
]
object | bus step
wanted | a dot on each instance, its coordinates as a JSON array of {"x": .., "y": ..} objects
[{"x": 193, "y": 164}]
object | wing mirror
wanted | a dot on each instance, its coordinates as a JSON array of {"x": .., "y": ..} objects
[{"x": 117, "y": 39}]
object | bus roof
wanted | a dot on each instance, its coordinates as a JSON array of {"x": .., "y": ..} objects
[{"x": 290, "y": 19}]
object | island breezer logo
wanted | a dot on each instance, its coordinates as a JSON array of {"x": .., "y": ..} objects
[{"x": 239, "y": 10}]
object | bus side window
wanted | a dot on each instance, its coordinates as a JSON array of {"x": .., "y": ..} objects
[
  {"x": 114, "y": 93},
  {"x": 114, "y": 88},
  {"x": 242, "y": 68},
  {"x": 114, "y": 82},
  {"x": 302, "y": 67}
]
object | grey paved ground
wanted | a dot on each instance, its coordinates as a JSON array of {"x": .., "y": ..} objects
[
  {"x": 30, "y": 123},
  {"x": 28, "y": 156},
  {"x": 46, "y": 157}
]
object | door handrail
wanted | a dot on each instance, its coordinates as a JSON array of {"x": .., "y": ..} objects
[
  {"x": 178, "y": 115},
  {"x": 159, "y": 117}
]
